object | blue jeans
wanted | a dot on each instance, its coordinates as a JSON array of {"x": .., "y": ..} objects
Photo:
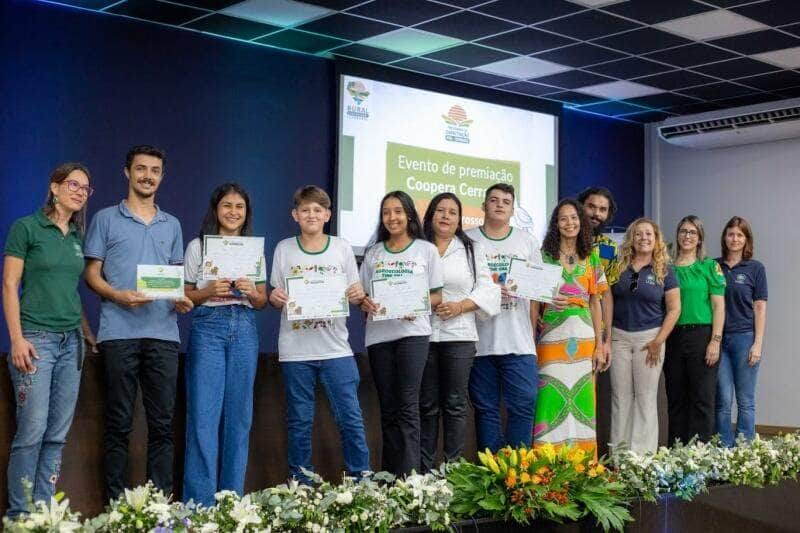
[
  {"x": 340, "y": 378},
  {"x": 45, "y": 405},
  {"x": 737, "y": 377},
  {"x": 511, "y": 379},
  {"x": 221, "y": 364}
]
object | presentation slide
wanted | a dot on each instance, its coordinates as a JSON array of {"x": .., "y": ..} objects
[{"x": 393, "y": 137}]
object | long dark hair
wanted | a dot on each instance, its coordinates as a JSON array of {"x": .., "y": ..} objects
[
  {"x": 427, "y": 227},
  {"x": 414, "y": 228},
  {"x": 552, "y": 239},
  {"x": 59, "y": 174},
  {"x": 210, "y": 225}
]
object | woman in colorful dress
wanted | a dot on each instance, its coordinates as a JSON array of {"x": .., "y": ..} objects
[{"x": 570, "y": 345}]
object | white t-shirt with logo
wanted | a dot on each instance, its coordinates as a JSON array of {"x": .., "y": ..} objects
[
  {"x": 418, "y": 258},
  {"x": 511, "y": 331},
  {"x": 193, "y": 273},
  {"x": 312, "y": 340}
]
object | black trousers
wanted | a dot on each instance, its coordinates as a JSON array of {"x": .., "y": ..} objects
[
  {"x": 153, "y": 364},
  {"x": 397, "y": 368},
  {"x": 444, "y": 394},
  {"x": 691, "y": 384}
]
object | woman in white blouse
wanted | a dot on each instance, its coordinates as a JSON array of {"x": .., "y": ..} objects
[{"x": 468, "y": 291}]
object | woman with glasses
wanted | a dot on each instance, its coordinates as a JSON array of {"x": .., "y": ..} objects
[
  {"x": 44, "y": 255},
  {"x": 692, "y": 352},
  {"x": 647, "y": 304}
]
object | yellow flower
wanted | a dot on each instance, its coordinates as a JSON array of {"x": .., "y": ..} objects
[
  {"x": 525, "y": 478},
  {"x": 576, "y": 455},
  {"x": 601, "y": 469},
  {"x": 488, "y": 461},
  {"x": 579, "y": 468},
  {"x": 511, "y": 478},
  {"x": 536, "y": 479},
  {"x": 548, "y": 451},
  {"x": 592, "y": 472}
]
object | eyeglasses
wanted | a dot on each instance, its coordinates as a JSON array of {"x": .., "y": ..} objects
[
  {"x": 634, "y": 282},
  {"x": 74, "y": 186},
  {"x": 688, "y": 232}
]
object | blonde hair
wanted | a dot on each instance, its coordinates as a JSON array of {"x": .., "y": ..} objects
[{"x": 660, "y": 255}]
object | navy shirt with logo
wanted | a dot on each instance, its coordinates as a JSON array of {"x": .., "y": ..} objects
[
  {"x": 747, "y": 282},
  {"x": 645, "y": 307}
]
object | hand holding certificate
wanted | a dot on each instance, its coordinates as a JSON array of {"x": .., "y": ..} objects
[
  {"x": 161, "y": 282},
  {"x": 533, "y": 281},
  {"x": 233, "y": 257},
  {"x": 317, "y": 297},
  {"x": 401, "y": 297}
]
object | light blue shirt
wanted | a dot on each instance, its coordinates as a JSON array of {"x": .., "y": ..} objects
[{"x": 122, "y": 241}]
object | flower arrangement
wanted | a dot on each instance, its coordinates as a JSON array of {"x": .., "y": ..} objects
[
  {"x": 517, "y": 484},
  {"x": 687, "y": 470},
  {"x": 526, "y": 484},
  {"x": 144, "y": 508},
  {"x": 43, "y": 517}
]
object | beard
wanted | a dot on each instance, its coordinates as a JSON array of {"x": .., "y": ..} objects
[{"x": 597, "y": 226}]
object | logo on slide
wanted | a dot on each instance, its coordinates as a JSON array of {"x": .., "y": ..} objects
[
  {"x": 358, "y": 92},
  {"x": 456, "y": 125}
]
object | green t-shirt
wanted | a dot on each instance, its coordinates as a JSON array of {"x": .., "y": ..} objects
[
  {"x": 698, "y": 282},
  {"x": 53, "y": 267}
]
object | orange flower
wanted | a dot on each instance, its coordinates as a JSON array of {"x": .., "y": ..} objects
[
  {"x": 536, "y": 479},
  {"x": 579, "y": 468},
  {"x": 543, "y": 470},
  {"x": 511, "y": 478},
  {"x": 524, "y": 465}
]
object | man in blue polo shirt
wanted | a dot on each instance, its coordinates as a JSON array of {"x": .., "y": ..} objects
[{"x": 137, "y": 335}]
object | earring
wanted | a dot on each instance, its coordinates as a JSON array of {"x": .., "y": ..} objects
[{"x": 55, "y": 199}]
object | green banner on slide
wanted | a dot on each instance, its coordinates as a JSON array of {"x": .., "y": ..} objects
[{"x": 424, "y": 173}]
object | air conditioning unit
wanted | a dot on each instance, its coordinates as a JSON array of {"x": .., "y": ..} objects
[{"x": 733, "y": 127}]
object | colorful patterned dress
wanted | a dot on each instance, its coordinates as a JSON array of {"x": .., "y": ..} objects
[{"x": 565, "y": 408}]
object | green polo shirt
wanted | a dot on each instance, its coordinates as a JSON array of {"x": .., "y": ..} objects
[
  {"x": 698, "y": 282},
  {"x": 53, "y": 267}
]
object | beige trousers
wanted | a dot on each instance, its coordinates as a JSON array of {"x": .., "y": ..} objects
[{"x": 634, "y": 391}]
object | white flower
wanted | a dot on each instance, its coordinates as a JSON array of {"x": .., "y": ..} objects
[
  {"x": 209, "y": 527},
  {"x": 244, "y": 513},
  {"x": 221, "y": 495},
  {"x": 137, "y": 498},
  {"x": 114, "y": 516},
  {"x": 344, "y": 498}
]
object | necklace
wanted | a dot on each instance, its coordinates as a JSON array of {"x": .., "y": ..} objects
[{"x": 571, "y": 256}]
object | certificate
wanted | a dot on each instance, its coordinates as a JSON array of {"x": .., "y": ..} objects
[
  {"x": 317, "y": 297},
  {"x": 533, "y": 281},
  {"x": 233, "y": 257},
  {"x": 401, "y": 297},
  {"x": 160, "y": 281}
]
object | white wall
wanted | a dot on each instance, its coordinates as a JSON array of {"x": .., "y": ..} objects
[{"x": 760, "y": 182}]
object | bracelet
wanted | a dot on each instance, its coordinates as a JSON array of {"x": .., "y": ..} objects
[{"x": 717, "y": 338}]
